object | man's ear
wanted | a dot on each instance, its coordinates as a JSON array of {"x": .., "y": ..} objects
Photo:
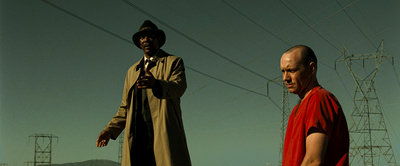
[{"x": 312, "y": 67}]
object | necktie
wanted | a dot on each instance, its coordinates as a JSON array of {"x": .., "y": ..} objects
[
  {"x": 150, "y": 62},
  {"x": 146, "y": 109}
]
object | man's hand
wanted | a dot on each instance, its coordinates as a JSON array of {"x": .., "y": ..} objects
[
  {"x": 103, "y": 139},
  {"x": 147, "y": 81}
]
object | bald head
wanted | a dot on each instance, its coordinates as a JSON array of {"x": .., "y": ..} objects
[{"x": 307, "y": 54}]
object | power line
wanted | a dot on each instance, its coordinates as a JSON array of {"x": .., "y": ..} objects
[
  {"x": 130, "y": 42},
  {"x": 308, "y": 25},
  {"x": 370, "y": 25},
  {"x": 239, "y": 87},
  {"x": 395, "y": 73},
  {"x": 321, "y": 29},
  {"x": 355, "y": 24},
  {"x": 364, "y": 41},
  {"x": 251, "y": 109},
  {"x": 86, "y": 21},
  {"x": 192, "y": 40},
  {"x": 283, "y": 41},
  {"x": 256, "y": 23},
  {"x": 113, "y": 34},
  {"x": 205, "y": 12},
  {"x": 222, "y": 103},
  {"x": 19, "y": 159},
  {"x": 236, "y": 128}
]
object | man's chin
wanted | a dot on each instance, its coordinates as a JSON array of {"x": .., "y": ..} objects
[
  {"x": 150, "y": 52},
  {"x": 292, "y": 91}
]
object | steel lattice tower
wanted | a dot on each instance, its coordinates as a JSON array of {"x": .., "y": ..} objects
[
  {"x": 120, "y": 147},
  {"x": 369, "y": 139},
  {"x": 28, "y": 163},
  {"x": 43, "y": 156},
  {"x": 285, "y": 113}
]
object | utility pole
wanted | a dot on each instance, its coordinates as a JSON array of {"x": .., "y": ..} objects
[
  {"x": 285, "y": 113},
  {"x": 43, "y": 155},
  {"x": 369, "y": 138}
]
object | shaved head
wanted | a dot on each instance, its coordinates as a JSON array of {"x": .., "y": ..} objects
[{"x": 307, "y": 54}]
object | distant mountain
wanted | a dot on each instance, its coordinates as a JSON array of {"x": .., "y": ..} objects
[{"x": 90, "y": 163}]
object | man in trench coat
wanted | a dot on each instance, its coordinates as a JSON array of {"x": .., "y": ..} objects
[{"x": 150, "y": 109}]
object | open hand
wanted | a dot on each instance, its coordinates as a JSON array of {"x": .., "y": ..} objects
[{"x": 103, "y": 139}]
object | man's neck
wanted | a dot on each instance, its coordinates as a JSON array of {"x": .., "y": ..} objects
[
  {"x": 148, "y": 56},
  {"x": 315, "y": 84}
]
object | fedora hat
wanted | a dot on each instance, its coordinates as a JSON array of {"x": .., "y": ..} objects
[{"x": 149, "y": 27}]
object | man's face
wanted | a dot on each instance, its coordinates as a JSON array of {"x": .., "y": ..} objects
[
  {"x": 296, "y": 76},
  {"x": 149, "y": 43}
]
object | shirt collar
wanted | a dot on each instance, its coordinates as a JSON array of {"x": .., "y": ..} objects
[{"x": 153, "y": 58}]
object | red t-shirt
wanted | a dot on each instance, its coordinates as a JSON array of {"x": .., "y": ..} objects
[{"x": 320, "y": 109}]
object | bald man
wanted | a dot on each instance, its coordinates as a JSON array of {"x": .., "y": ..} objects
[{"x": 317, "y": 132}]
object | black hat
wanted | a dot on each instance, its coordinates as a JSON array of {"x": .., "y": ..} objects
[{"x": 146, "y": 27}]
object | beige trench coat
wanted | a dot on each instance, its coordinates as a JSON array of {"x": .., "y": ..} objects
[{"x": 170, "y": 148}]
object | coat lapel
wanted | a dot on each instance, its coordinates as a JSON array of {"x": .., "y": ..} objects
[{"x": 135, "y": 75}]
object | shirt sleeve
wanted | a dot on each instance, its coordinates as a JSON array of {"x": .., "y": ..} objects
[{"x": 321, "y": 114}]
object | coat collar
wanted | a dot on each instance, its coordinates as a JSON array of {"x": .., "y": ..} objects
[{"x": 160, "y": 57}]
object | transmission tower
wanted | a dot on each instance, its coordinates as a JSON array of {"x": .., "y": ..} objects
[
  {"x": 28, "y": 163},
  {"x": 43, "y": 155},
  {"x": 120, "y": 149},
  {"x": 285, "y": 113},
  {"x": 369, "y": 139}
]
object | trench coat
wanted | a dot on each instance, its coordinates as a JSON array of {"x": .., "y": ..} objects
[{"x": 170, "y": 147}]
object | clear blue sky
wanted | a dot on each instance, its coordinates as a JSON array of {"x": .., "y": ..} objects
[{"x": 62, "y": 70}]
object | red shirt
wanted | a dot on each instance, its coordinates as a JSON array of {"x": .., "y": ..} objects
[{"x": 321, "y": 110}]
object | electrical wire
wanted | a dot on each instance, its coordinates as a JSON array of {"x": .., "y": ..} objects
[
  {"x": 302, "y": 33},
  {"x": 20, "y": 156},
  {"x": 233, "y": 115},
  {"x": 355, "y": 24},
  {"x": 86, "y": 21},
  {"x": 193, "y": 40},
  {"x": 365, "y": 39},
  {"x": 228, "y": 83},
  {"x": 248, "y": 18},
  {"x": 308, "y": 25},
  {"x": 308, "y": 18},
  {"x": 130, "y": 42},
  {"x": 113, "y": 34},
  {"x": 203, "y": 46},
  {"x": 246, "y": 128},
  {"x": 223, "y": 103}
]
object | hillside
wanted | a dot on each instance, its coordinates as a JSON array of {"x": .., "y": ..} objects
[{"x": 90, "y": 163}]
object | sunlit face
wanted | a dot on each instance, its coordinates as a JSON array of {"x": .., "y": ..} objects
[
  {"x": 296, "y": 75},
  {"x": 149, "y": 43}
]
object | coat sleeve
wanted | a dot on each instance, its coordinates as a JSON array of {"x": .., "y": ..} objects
[
  {"x": 173, "y": 86},
  {"x": 117, "y": 123}
]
